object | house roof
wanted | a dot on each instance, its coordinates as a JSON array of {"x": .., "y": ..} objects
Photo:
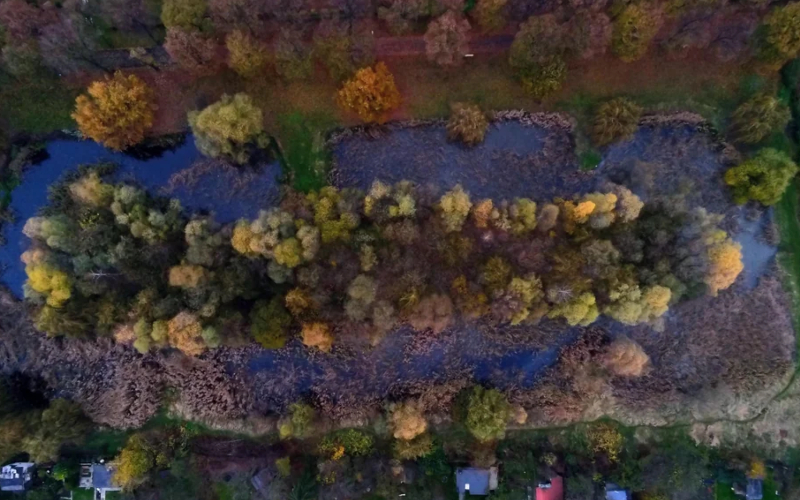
[
  {"x": 614, "y": 492},
  {"x": 14, "y": 477},
  {"x": 101, "y": 476},
  {"x": 755, "y": 489},
  {"x": 554, "y": 492},
  {"x": 474, "y": 480}
]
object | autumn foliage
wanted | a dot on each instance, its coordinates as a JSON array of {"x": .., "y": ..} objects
[
  {"x": 371, "y": 94},
  {"x": 116, "y": 112}
]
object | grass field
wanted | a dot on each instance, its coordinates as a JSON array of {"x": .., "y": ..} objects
[{"x": 36, "y": 107}]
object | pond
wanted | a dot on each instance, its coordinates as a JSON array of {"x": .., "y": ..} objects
[{"x": 516, "y": 160}]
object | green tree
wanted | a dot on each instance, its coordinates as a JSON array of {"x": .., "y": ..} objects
[
  {"x": 269, "y": 321},
  {"x": 487, "y": 414},
  {"x": 537, "y": 55},
  {"x": 634, "y": 29},
  {"x": 230, "y": 128},
  {"x": 62, "y": 423},
  {"x": 186, "y": 14},
  {"x": 781, "y": 40},
  {"x": 758, "y": 117},
  {"x": 762, "y": 178}
]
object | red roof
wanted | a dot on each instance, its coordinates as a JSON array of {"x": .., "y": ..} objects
[{"x": 554, "y": 492}]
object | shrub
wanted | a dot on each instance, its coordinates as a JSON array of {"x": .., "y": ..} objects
[
  {"x": 446, "y": 39},
  {"x": 230, "y": 128},
  {"x": 762, "y": 178},
  {"x": 758, "y": 117},
  {"x": 371, "y": 94},
  {"x": 292, "y": 57},
  {"x": 605, "y": 438},
  {"x": 284, "y": 466},
  {"x": 489, "y": 14},
  {"x": 246, "y": 55},
  {"x": 467, "y": 123},
  {"x": 781, "y": 40},
  {"x": 269, "y": 321},
  {"x": 407, "y": 421},
  {"x": 615, "y": 120},
  {"x": 633, "y": 30},
  {"x": 487, "y": 414},
  {"x": 348, "y": 441},
  {"x": 116, "y": 112},
  {"x": 418, "y": 447}
]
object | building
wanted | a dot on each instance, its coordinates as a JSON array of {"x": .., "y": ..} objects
[
  {"x": 476, "y": 482},
  {"x": 755, "y": 489},
  {"x": 98, "y": 477},
  {"x": 614, "y": 492},
  {"x": 551, "y": 490},
  {"x": 16, "y": 476}
]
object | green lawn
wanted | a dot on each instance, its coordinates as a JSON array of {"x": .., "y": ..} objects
[
  {"x": 82, "y": 494},
  {"x": 42, "y": 105}
]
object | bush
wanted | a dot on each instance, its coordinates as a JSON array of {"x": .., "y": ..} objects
[
  {"x": 467, "y": 123},
  {"x": 371, "y": 94},
  {"x": 633, "y": 31},
  {"x": 758, "y": 117},
  {"x": 117, "y": 112},
  {"x": 348, "y": 442},
  {"x": 413, "y": 449},
  {"x": 231, "y": 127},
  {"x": 781, "y": 40},
  {"x": 615, "y": 120},
  {"x": 487, "y": 414},
  {"x": 762, "y": 178}
]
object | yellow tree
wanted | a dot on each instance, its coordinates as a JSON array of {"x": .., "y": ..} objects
[
  {"x": 116, "y": 112},
  {"x": 371, "y": 94},
  {"x": 317, "y": 335},
  {"x": 725, "y": 261}
]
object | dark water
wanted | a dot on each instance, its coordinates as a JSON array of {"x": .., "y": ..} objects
[{"x": 208, "y": 193}]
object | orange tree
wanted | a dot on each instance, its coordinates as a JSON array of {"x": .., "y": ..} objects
[
  {"x": 371, "y": 94},
  {"x": 116, "y": 112}
]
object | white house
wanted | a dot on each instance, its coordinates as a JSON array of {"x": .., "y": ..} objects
[{"x": 16, "y": 476}]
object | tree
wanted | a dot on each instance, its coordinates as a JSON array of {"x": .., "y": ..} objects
[
  {"x": 246, "y": 55},
  {"x": 762, "y": 178},
  {"x": 400, "y": 14},
  {"x": 488, "y": 412},
  {"x": 293, "y": 59},
  {"x": 317, "y": 335},
  {"x": 407, "y": 421},
  {"x": 231, "y": 127},
  {"x": 127, "y": 15},
  {"x": 191, "y": 50},
  {"x": 184, "y": 14},
  {"x": 69, "y": 45},
  {"x": 371, "y": 94},
  {"x": 725, "y": 264},
  {"x": 537, "y": 55},
  {"x": 21, "y": 59},
  {"x": 413, "y": 449},
  {"x": 633, "y": 30},
  {"x": 454, "y": 207},
  {"x": 54, "y": 284},
  {"x": 134, "y": 462},
  {"x": 781, "y": 40},
  {"x": 184, "y": 332},
  {"x": 606, "y": 439},
  {"x": 116, "y": 112},
  {"x": 21, "y": 20},
  {"x": 446, "y": 39},
  {"x": 626, "y": 358},
  {"x": 615, "y": 120},
  {"x": 342, "y": 49},
  {"x": 434, "y": 312},
  {"x": 467, "y": 123},
  {"x": 61, "y": 423},
  {"x": 269, "y": 321},
  {"x": 758, "y": 117},
  {"x": 236, "y": 14},
  {"x": 489, "y": 14}
]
